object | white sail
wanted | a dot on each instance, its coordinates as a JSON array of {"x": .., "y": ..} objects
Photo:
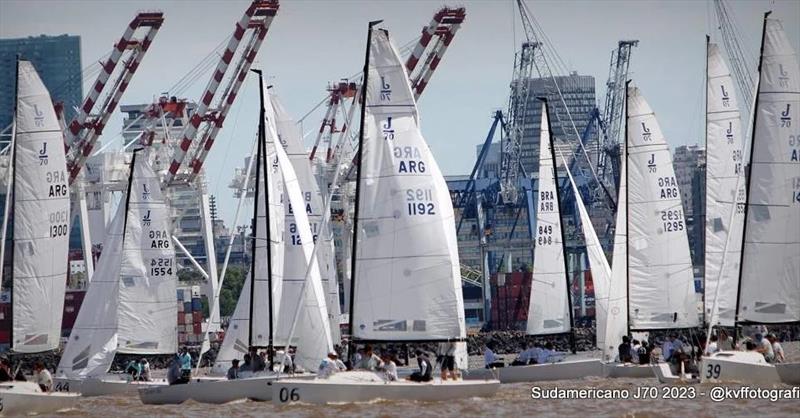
[
  {"x": 407, "y": 280},
  {"x": 41, "y": 218},
  {"x": 770, "y": 287},
  {"x": 660, "y": 279},
  {"x": 148, "y": 277},
  {"x": 307, "y": 327},
  {"x": 237, "y": 336},
  {"x": 601, "y": 279},
  {"x": 548, "y": 309},
  {"x": 294, "y": 258},
  {"x": 725, "y": 190},
  {"x": 617, "y": 304},
  {"x": 130, "y": 305}
]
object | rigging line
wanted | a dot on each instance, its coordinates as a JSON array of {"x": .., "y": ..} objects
[
  {"x": 214, "y": 52},
  {"x": 231, "y": 136}
]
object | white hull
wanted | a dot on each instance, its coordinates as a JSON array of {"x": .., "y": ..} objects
[
  {"x": 102, "y": 386},
  {"x": 212, "y": 390},
  {"x": 570, "y": 369},
  {"x": 628, "y": 370},
  {"x": 22, "y": 398},
  {"x": 789, "y": 373},
  {"x": 738, "y": 366},
  {"x": 365, "y": 386},
  {"x": 664, "y": 374}
]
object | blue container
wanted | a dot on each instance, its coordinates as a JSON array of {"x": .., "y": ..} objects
[
  {"x": 187, "y": 307},
  {"x": 196, "y": 305}
]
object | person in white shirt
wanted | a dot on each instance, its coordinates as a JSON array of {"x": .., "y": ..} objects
[
  {"x": 635, "y": 346},
  {"x": 42, "y": 377},
  {"x": 764, "y": 347},
  {"x": 712, "y": 347},
  {"x": 490, "y": 359},
  {"x": 777, "y": 349},
  {"x": 369, "y": 361},
  {"x": 330, "y": 366},
  {"x": 389, "y": 368},
  {"x": 283, "y": 362}
]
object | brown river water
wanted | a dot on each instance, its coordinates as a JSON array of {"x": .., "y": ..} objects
[{"x": 511, "y": 400}]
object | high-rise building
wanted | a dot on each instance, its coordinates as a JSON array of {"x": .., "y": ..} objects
[
  {"x": 579, "y": 95},
  {"x": 688, "y": 161},
  {"x": 57, "y": 59}
]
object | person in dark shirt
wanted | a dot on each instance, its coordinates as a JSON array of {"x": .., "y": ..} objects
[
  {"x": 625, "y": 350},
  {"x": 425, "y": 369},
  {"x": 5, "y": 370}
]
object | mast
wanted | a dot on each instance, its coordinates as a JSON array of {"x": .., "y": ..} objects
[
  {"x": 13, "y": 164},
  {"x": 259, "y": 155},
  {"x": 353, "y": 253},
  {"x": 747, "y": 178},
  {"x": 627, "y": 214},
  {"x": 262, "y": 138},
  {"x": 561, "y": 228},
  {"x": 705, "y": 182}
]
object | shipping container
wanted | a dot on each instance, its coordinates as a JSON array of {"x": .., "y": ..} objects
[
  {"x": 197, "y": 306},
  {"x": 197, "y": 317}
]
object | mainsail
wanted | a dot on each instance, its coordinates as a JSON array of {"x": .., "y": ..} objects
[
  {"x": 41, "y": 218},
  {"x": 548, "y": 309},
  {"x": 724, "y": 191},
  {"x": 303, "y": 308},
  {"x": 407, "y": 284},
  {"x": 312, "y": 205},
  {"x": 660, "y": 280},
  {"x": 770, "y": 269},
  {"x": 130, "y": 305}
]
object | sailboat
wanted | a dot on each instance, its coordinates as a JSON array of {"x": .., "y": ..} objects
[
  {"x": 130, "y": 305},
  {"x": 265, "y": 282},
  {"x": 406, "y": 283},
  {"x": 40, "y": 200},
  {"x": 769, "y": 274},
  {"x": 550, "y": 306}
]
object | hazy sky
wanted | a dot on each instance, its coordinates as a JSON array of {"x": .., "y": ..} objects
[{"x": 312, "y": 42}]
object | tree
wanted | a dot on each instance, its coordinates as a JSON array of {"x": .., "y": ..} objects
[{"x": 231, "y": 288}]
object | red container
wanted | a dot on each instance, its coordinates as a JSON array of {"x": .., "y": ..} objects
[
  {"x": 197, "y": 317},
  {"x": 197, "y": 328}
]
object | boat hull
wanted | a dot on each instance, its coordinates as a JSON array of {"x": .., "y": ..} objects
[
  {"x": 738, "y": 366},
  {"x": 23, "y": 398},
  {"x": 348, "y": 387},
  {"x": 627, "y": 370},
  {"x": 664, "y": 374},
  {"x": 212, "y": 390},
  {"x": 111, "y": 385},
  {"x": 571, "y": 369},
  {"x": 789, "y": 373}
]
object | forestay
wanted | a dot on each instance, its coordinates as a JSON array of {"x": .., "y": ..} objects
[
  {"x": 41, "y": 218},
  {"x": 307, "y": 312},
  {"x": 548, "y": 308},
  {"x": 312, "y": 205},
  {"x": 660, "y": 280},
  {"x": 770, "y": 287},
  {"x": 725, "y": 190},
  {"x": 407, "y": 280}
]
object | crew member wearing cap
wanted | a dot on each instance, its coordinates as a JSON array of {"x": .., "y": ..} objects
[
  {"x": 330, "y": 365},
  {"x": 764, "y": 347}
]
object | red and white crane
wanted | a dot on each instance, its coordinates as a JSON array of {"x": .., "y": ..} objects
[{"x": 83, "y": 131}]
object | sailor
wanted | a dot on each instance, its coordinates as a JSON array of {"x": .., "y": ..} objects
[
  {"x": 144, "y": 370},
  {"x": 764, "y": 347},
  {"x": 425, "y": 368},
  {"x": 248, "y": 364},
  {"x": 780, "y": 357},
  {"x": 5, "y": 370},
  {"x": 174, "y": 375},
  {"x": 624, "y": 350},
  {"x": 490, "y": 360},
  {"x": 233, "y": 371},
  {"x": 133, "y": 369},
  {"x": 330, "y": 366},
  {"x": 186, "y": 364},
  {"x": 261, "y": 361},
  {"x": 448, "y": 359},
  {"x": 725, "y": 343},
  {"x": 644, "y": 353},
  {"x": 389, "y": 367},
  {"x": 42, "y": 377},
  {"x": 283, "y": 362},
  {"x": 713, "y": 346},
  {"x": 369, "y": 361},
  {"x": 523, "y": 357},
  {"x": 548, "y": 354},
  {"x": 635, "y": 346}
]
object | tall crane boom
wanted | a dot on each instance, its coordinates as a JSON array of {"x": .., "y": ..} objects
[
  {"x": 257, "y": 17},
  {"x": 741, "y": 64},
  {"x": 84, "y": 130},
  {"x": 615, "y": 100}
]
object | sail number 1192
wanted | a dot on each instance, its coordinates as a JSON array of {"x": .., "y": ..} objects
[{"x": 420, "y": 202}]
